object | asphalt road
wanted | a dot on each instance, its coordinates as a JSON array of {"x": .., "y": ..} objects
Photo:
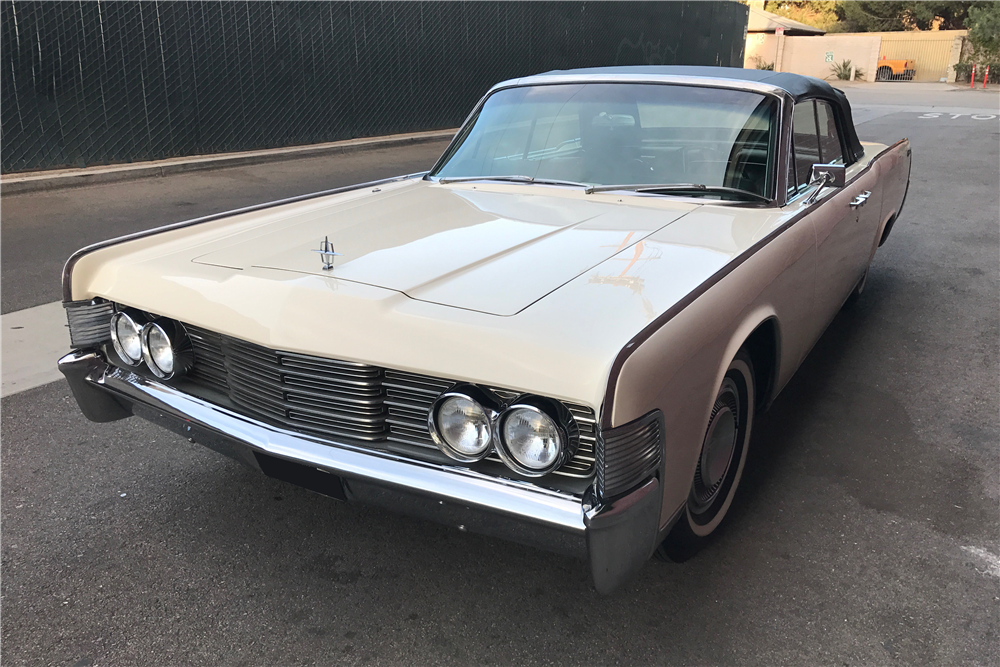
[
  {"x": 865, "y": 533},
  {"x": 40, "y": 230}
]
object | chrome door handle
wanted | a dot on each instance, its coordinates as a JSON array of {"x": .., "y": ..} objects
[{"x": 860, "y": 200}]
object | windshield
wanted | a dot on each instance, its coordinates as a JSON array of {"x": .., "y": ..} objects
[{"x": 622, "y": 134}]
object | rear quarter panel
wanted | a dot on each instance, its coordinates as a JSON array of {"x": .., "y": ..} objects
[{"x": 895, "y": 165}]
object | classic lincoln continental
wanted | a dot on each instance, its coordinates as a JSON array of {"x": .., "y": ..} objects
[{"x": 559, "y": 335}]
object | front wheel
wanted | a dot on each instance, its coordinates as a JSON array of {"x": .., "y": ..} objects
[
  {"x": 720, "y": 463},
  {"x": 883, "y": 74}
]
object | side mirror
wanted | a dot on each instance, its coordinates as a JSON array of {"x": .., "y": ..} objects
[
  {"x": 834, "y": 175},
  {"x": 824, "y": 175}
]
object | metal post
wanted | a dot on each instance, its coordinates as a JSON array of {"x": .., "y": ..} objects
[{"x": 973, "y": 84}]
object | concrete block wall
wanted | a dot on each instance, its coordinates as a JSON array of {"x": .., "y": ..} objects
[{"x": 936, "y": 52}]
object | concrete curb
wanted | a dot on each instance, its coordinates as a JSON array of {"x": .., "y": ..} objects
[{"x": 69, "y": 178}]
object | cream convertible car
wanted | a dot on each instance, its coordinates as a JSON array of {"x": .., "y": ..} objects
[{"x": 559, "y": 335}]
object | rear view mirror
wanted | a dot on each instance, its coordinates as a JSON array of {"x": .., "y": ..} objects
[
  {"x": 604, "y": 119},
  {"x": 833, "y": 175}
]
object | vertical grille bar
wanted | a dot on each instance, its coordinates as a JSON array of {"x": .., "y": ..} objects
[
  {"x": 409, "y": 398},
  {"x": 306, "y": 393},
  {"x": 89, "y": 322},
  {"x": 330, "y": 397},
  {"x": 629, "y": 454}
]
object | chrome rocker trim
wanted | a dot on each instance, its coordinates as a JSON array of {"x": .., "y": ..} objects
[{"x": 616, "y": 539}]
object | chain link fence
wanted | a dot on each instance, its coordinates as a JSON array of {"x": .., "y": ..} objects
[{"x": 88, "y": 83}]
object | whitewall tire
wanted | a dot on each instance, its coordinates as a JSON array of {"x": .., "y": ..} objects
[{"x": 720, "y": 462}]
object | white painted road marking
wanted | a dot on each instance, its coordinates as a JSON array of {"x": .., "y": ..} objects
[
  {"x": 864, "y": 113},
  {"x": 33, "y": 340},
  {"x": 992, "y": 561},
  {"x": 955, "y": 116}
]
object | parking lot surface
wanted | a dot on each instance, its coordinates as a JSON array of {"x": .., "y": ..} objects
[{"x": 865, "y": 532}]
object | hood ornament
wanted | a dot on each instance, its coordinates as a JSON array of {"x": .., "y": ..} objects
[{"x": 326, "y": 253}]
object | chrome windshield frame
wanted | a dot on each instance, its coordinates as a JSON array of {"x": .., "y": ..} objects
[{"x": 775, "y": 199}]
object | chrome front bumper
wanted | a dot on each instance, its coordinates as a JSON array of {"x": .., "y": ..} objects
[{"x": 616, "y": 538}]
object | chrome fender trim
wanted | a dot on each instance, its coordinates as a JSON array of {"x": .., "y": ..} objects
[{"x": 622, "y": 536}]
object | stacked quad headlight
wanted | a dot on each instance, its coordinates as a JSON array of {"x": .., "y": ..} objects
[
  {"x": 533, "y": 436},
  {"x": 126, "y": 336},
  {"x": 536, "y": 436},
  {"x": 166, "y": 348},
  {"x": 461, "y": 424},
  {"x": 144, "y": 337}
]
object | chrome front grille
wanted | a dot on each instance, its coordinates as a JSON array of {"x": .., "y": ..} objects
[
  {"x": 308, "y": 393},
  {"x": 409, "y": 398},
  {"x": 630, "y": 455},
  {"x": 329, "y": 397},
  {"x": 582, "y": 464},
  {"x": 210, "y": 361},
  {"x": 89, "y": 322}
]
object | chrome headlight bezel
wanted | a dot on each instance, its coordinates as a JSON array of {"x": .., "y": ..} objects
[
  {"x": 148, "y": 355},
  {"x": 117, "y": 343},
  {"x": 481, "y": 400},
  {"x": 181, "y": 351},
  {"x": 565, "y": 426}
]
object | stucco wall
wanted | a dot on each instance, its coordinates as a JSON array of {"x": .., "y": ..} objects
[
  {"x": 809, "y": 55},
  {"x": 762, "y": 45},
  {"x": 934, "y": 50}
]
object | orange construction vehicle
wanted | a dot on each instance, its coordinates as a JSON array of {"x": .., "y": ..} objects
[{"x": 895, "y": 70}]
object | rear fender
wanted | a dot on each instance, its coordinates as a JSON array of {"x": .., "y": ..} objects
[{"x": 895, "y": 169}]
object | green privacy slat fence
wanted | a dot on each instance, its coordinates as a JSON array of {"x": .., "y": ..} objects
[{"x": 92, "y": 82}]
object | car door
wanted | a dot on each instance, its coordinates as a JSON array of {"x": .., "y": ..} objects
[
  {"x": 843, "y": 242},
  {"x": 865, "y": 190}
]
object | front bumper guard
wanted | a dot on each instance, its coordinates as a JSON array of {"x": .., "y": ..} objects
[{"x": 616, "y": 539}]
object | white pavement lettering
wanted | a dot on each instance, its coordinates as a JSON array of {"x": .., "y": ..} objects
[
  {"x": 956, "y": 116},
  {"x": 864, "y": 113},
  {"x": 33, "y": 340}
]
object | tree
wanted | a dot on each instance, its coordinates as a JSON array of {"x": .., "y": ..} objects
[
  {"x": 877, "y": 16},
  {"x": 984, "y": 30},
  {"x": 820, "y": 14},
  {"x": 947, "y": 15},
  {"x": 868, "y": 16}
]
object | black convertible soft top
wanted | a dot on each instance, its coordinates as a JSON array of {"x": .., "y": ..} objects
[{"x": 799, "y": 87}]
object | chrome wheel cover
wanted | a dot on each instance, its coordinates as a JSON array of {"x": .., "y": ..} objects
[{"x": 717, "y": 453}]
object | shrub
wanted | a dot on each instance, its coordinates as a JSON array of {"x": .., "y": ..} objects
[
  {"x": 760, "y": 64},
  {"x": 842, "y": 71},
  {"x": 963, "y": 71}
]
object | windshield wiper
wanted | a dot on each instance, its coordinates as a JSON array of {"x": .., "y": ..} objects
[
  {"x": 678, "y": 187},
  {"x": 512, "y": 179}
]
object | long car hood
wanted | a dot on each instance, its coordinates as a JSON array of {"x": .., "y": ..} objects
[{"x": 493, "y": 249}]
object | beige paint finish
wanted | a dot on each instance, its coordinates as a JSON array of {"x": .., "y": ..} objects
[
  {"x": 561, "y": 345},
  {"x": 895, "y": 169},
  {"x": 463, "y": 245},
  {"x": 679, "y": 368},
  {"x": 844, "y": 238},
  {"x": 494, "y": 315}
]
